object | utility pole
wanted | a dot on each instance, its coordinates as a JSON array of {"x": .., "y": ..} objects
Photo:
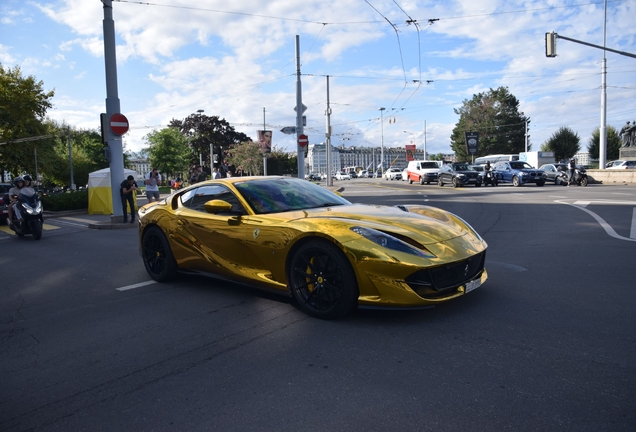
[
  {"x": 264, "y": 154},
  {"x": 328, "y": 138},
  {"x": 381, "y": 142},
  {"x": 112, "y": 107},
  {"x": 602, "y": 144},
  {"x": 425, "y": 158},
  {"x": 70, "y": 156},
  {"x": 299, "y": 114}
]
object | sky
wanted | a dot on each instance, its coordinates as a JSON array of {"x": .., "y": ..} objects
[{"x": 418, "y": 59}]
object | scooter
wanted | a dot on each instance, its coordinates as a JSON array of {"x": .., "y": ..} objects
[
  {"x": 580, "y": 178},
  {"x": 28, "y": 216},
  {"x": 490, "y": 178}
]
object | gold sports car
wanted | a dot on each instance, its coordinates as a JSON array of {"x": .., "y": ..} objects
[{"x": 302, "y": 240}]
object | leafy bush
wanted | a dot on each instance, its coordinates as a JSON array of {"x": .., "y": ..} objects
[{"x": 76, "y": 200}]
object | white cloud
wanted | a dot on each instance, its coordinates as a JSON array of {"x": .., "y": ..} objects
[{"x": 233, "y": 59}]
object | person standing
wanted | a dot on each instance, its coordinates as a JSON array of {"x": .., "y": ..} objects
[
  {"x": 216, "y": 174},
  {"x": 153, "y": 180},
  {"x": 572, "y": 168},
  {"x": 128, "y": 197},
  {"x": 199, "y": 175}
]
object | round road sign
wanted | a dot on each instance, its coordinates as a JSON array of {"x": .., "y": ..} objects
[
  {"x": 303, "y": 140},
  {"x": 118, "y": 124}
]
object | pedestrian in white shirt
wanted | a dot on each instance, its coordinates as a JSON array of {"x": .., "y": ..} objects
[{"x": 153, "y": 180}]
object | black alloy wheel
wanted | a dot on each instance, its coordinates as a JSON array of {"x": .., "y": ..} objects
[
  {"x": 322, "y": 281},
  {"x": 157, "y": 255}
]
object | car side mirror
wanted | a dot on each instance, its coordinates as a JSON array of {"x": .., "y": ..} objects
[{"x": 217, "y": 206}]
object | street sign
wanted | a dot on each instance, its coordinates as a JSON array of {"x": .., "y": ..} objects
[
  {"x": 304, "y": 109},
  {"x": 303, "y": 140},
  {"x": 118, "y": 124},
  {"x": 289, "y": 130}
]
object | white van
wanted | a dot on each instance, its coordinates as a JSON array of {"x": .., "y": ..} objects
[{"x": 423, "y": 171}]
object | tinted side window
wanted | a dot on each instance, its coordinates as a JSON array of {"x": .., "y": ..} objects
[{"x": 195, "y": 199}]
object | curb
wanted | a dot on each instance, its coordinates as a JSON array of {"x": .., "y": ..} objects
[{"x": 113, "y": 225}]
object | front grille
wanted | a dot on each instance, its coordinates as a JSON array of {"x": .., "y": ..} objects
[{"x": 440, "y": 281}]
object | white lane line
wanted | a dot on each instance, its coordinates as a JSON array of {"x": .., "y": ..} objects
[
  {"x": 632, "y": 232},
  {"x": 608, "y": 229},
  {"x": 139, "y": 285},
  {"x": 582, "y": 203}
]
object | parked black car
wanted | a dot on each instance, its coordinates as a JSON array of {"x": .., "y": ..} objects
[{"x": 458, "y": 174}]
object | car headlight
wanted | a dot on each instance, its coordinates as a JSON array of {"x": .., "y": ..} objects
[
  {"x": 461, "y": 175},
  {"x": 390, "y": 242}
]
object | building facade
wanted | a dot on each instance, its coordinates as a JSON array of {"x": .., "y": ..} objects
[
  {"x": 142, "y": 166},
  {"x": 356, "y": 158}
]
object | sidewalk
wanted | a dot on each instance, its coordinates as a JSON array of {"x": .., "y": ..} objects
[{"x": 98, "y": 221}]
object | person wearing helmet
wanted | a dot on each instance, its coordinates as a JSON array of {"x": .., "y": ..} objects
[
  {"x": 27, "y": 189},
  {"x": 572, "y": 168},
  {"x": 14, "y": 192}
]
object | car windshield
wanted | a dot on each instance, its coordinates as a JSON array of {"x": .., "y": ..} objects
[
  {"x": 520, "y": 165},
  {"x": 286, "y": 194},
  {"x": 462, "y": 167},
  {"x": 428, "y": 165},
  {"x": 478, "y": 167}
]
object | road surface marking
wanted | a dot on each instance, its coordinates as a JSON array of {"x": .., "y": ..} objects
[
  {"x": 139, "y": 285},
  {"x": 608, "y": 229},
  {"x": 47, "y": 227}
]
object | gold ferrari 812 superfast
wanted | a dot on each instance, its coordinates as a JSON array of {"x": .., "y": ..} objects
[{"x": 302, "y": 240}]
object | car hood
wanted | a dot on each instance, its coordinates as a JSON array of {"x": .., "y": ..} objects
[{"x": 427, "y": 225}]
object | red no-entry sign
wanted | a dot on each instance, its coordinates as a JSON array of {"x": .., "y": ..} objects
[
  {"x": 118, "y": 124},
  {"x": 303, "y": 140}
]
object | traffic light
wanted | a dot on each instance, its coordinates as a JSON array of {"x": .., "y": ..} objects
[
  {"x": 103, "y": 125},
  {"x": 550, "y": 44}
]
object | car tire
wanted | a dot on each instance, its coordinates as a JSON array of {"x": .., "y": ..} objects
[
  {"x": 584, "y": 181},
  {"x": 422, "y": 181},
  {"x": 557, "y": 181},
  {"x": 322, "y": 281},
  {"x": 455, "y": 182},
  {"x": 410, "y": 180},
  {"x": 516, "y": 182},
  {"x": 440, "y": 182},
  {"x": 157, "y": 255}
]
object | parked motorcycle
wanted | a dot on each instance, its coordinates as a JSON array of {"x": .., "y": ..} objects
[
  {"x": 28, "y": 216},
  {"x": 580, "y": 178}
]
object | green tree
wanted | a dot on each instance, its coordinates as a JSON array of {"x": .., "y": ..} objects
[
  {"x": 23, "y": 107},
  {"x": 87, "y": 154},
  {"x": 436, "y": 157},
  {"x": 613, "y": 143},
  {"x": 280, "y": 162},
  {"x": 203, "y": 131},
  {"x": 246, "y": 156},
  {"x": 564, "y": 143},
  {"x": 168, "y": 151},
  {"x": 495, "y": 115}
]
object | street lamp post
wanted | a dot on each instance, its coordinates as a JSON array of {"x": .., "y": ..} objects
[{"x": 382, "y": 141}]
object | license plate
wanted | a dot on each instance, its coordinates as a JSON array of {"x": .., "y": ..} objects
[{"x": 472, "y": 285}]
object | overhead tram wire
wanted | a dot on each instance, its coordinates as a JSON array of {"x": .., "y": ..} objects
[
  {"x": 397, "y": 34},
  {"x": 572, "y": 6}
]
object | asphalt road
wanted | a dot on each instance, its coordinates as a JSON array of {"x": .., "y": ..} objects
[{"x": 547, "y": 344}]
